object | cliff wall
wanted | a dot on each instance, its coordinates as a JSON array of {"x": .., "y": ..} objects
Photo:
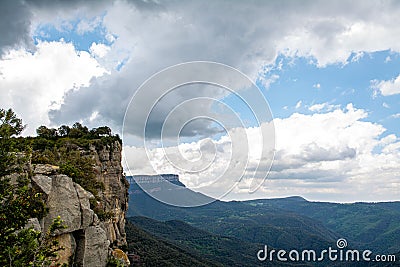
[{"x": 94, "y": 224}]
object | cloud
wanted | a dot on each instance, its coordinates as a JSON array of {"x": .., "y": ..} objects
[
  {"x": 323, "y": 106},
  {"x": 14, "y": 25},
  {"x": 99, "y": 50},
  {"x": 330, "y": 156},
  {"x": 386, "y": 88},
  {"x": 88, "y": 25},
  {"x": 317, "y": 85},
  {"x": 395, "y": 116},
  {"x": 357, "y": 56},
  {"x": 315, "y": 153},
  {"x": 317, "y": 107},
  {"x": 19, "y": 18},
  {"x": 298, "y": 104},
  {"x": 266, "y": 82},
  {"x": 33, "y": 83},
  {"x": 52, "y": 83},
  {"x": 151, "y": 36}
]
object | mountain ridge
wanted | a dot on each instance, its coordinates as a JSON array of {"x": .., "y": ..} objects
[{"x": 286, "y": 222}]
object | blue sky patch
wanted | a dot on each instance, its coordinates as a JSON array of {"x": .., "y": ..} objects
[
  {"x": 81, "y": 32},
  {"x": 301, "y": 85}
]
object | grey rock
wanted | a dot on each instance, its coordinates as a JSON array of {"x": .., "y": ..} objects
[
  {"x": 63, "y": 201},
  {"x": 45, "y": 169},
  {"x": 43, "y": 182},
  {"x": 86, "y": 213},
  {"x": 114, "y": 198},
  {"x": 86, "y": 238},
  {"x": 92, "y": 251}
]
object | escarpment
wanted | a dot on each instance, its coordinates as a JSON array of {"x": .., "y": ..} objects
[
  {"x": 84, "y": 184},
  {"x": 114, "y": 197}
]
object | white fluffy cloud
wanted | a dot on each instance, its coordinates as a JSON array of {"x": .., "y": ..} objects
[
  {"x": 322, "y": 106},
  {"x": 396, "y": 116},
  {"x": 34, "y": 82},
  {"x": 99, "y": 50},
  {"x": 335, "y": 156},
  {"x": 386, "y": 88}
]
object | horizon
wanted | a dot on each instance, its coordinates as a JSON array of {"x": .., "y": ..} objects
[{"x": 273, "y": 198}]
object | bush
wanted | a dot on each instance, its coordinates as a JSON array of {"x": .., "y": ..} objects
[{"x": 113, "y": 262}]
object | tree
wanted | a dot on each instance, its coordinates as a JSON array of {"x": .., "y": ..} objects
[
  {"x": 45, "y": 132},
  {"x": 101, "y": 131},
  {"x": 19, "y": 202},
  {"x": 10, "y": 124},
  {"x": 78, "y": 130},
  {"x": 64, "y": 130}
]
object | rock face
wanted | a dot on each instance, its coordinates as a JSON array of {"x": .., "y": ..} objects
[
  {"x": 93, "y": 248},
  {"x": 87, "y": 240},
  {"x": 114, "y": 198},
  {"x": 63, "y": 201}
]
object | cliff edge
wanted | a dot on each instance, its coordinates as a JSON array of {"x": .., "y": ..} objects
[{"x": 95, "y": 223}]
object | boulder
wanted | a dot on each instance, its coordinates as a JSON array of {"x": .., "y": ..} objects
[
  {"x": 63, "y": 201},
  {"x": 44, "y": 183},
  {"x": 92, "y": 251},
  {"x": 87, "y": 214}
]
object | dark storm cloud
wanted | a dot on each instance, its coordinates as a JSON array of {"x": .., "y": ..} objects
[
  {"x": 15, "y": 21},
  {"x": 16, "y": 18}
]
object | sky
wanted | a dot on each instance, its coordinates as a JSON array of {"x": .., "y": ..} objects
[{"x": 329, "y": 71}]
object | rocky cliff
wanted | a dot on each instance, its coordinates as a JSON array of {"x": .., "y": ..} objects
[{"x": 94, "y": 224}]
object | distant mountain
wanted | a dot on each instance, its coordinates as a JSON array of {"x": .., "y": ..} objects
[
  {"x": 283, "y": 223},
  {"x": 168, "y": 188},
  {"x": 274, "y": 227},
  {"x": 374, "y": 226}
]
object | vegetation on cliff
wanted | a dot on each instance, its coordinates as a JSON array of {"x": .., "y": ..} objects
[
  {"x": 19, "y": 202},
  {"x": 73, "y": 150},
  {"x": 65, "y": 147}
]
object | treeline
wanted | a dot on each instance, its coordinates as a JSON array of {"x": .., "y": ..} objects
[
  {"x": 76, "y": 131},
  {"x": 65, "y": 136}
]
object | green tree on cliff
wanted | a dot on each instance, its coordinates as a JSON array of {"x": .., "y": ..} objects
[
  {"x": 20, "y": 246},
  {"x": 10, "y": 126}
]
